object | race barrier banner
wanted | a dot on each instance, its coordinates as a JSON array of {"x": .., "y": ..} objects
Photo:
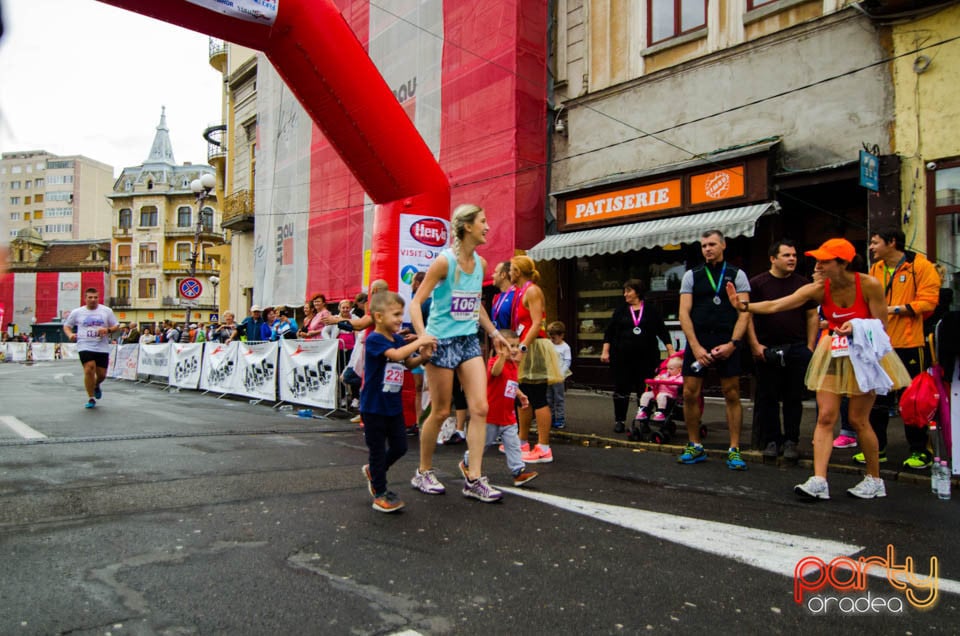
[
  {"x": 308, "y": 372},
  {"x": 257, "y": 369},
  {"x": 219, "y": 372},
  {"x": 43, "y": 351},
  {"x": 17, "y": 351},
  {"x": 125, "y": 362},
  {"x": 68, "y": 351},
  {"x": 185, "y": 364},
  {"x": 154, "y": 360}
]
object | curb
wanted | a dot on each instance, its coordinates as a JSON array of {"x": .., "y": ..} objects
[{"x": 750, "y": 456}]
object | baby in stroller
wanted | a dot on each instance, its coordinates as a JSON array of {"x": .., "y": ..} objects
[{"x": 662, "y": 394}]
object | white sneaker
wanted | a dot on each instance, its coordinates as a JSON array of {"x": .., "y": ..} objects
[
  {"x": 482, "y": 490},
  {"x": 428, "y": 483},
  {"x": 814, "y": 488},
  {"x": 869, "y": 488},
  {"x": 355, "y": 404}
]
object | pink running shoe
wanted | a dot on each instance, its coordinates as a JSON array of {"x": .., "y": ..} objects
[
  {"x": 537, "y": 455},
  {"x": 844, "y": 441},
  {"x": 524, "y": 448},
  {"x": 642, "y": 414},
  {"x": 659, "y": 416}
]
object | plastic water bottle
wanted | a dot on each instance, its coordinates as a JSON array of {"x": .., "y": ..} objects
[
  {"x": 696, "y": 366},
  {"x": 944, "y": 486},
  {"x": 935, "y": 476}
]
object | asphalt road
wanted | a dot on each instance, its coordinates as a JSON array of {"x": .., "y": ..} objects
[{"x": 180, "y": 513}]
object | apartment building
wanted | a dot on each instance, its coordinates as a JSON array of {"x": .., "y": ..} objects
[
  {"x": 60, "y": 197},
  {"x": 160, "y": 235}
]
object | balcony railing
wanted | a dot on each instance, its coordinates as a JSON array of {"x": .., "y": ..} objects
[
  {"x": 183, "y": 267},
  {"x": 238, "y": 211},
  {"x": 120, "y": 301},
  {"x": 206, "y": 231},
  {"x": 122, "y": 267},
  {"x": 122, "y": 232},
  {"x": 216, "y": 136}
]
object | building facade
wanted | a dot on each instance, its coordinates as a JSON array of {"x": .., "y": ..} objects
[
  {"x": 232, "y": 151},
  {"x": 161, "y": 236},
  {"x": 61, "y": 197},
  {"x": 670, "y": 119}
]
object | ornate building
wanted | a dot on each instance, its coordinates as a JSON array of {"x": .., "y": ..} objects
[{"x": 160, "y": 237}]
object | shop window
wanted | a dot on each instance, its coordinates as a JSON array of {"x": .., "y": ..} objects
[
  {"x": 943, "y": 211},
  {"x": 672, "y": 18},
  {"x": 598, "y": 284}
]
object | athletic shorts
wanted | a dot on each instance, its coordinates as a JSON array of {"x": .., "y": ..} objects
[
  {"x": 536, "y": 393},
  {"x": 729, "y": 368},
  {"x": 102, "y": 359},
  {"x": 452, "y": 352}
]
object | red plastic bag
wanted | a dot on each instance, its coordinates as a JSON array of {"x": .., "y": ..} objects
[{"x": 920, "y": 400}]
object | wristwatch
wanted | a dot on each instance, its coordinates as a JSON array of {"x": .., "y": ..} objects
[
  {"x": 896, "y": 309},
  {"x": 735, "y": 342},
  {"x": 523, "y": 348}
]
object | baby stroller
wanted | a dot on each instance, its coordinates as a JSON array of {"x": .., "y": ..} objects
[{"x": 662, "y": 420}]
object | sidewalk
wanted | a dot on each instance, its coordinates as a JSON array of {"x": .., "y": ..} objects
[{"x": 590, "y": 422}]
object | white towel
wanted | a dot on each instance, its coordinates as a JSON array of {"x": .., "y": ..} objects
[{"x": 868, "y": 344}]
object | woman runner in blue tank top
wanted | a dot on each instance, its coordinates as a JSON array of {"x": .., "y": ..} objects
[{"x": 454, "y": 282}]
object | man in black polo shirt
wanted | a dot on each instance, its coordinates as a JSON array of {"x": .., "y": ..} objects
[
  {"x": 713, "y": 328},
  {"x": 782, "y": 344}
]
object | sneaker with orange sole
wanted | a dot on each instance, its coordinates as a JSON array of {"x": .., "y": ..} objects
[
  {"x": 524, "y": 476},
  {"x": 387, "y": 502},
  {"x": 537, "y": 455}
]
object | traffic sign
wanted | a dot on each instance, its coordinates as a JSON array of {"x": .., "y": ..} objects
[{"x": 190, "y": 288}]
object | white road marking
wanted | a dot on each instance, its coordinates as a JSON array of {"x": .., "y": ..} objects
[
  {"x": 775, "y": 552},
  {"x": 20, "y": 428}
]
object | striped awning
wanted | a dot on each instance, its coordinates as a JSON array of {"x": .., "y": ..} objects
[{"x": 648, "y": 234}]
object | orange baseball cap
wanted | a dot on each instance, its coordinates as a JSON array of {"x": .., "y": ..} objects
[{"x": 834, "y": 248}]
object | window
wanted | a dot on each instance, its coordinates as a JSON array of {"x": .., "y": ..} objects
[
  {"x": 127, "y": 185},
  {"x": 185, "y": 183},
  {"x": 59, "y": 212},
  {"x": 148, "y": 253},
  {"x": 14, "y": 200},
  {"x": 16, "y": 169},
  {"x": 26, "y": 216},
  {"x": 184, "y": 216},
  {"x": 14, "y": 185},
  {"x": 39, "y": 182},
  {"x": 27, "y": 200},
  {"x": 183, "y": 252},
  {"x": 123, "y": 255},
  {"x": 38, "y": 214},
  {"x": 14, "y": 216},
  {"x": 59, "y": 179},
  {"x": 38, "y": 198},
  {"x": 123, "y": 288},
  {"x": 943, "y": 220},
  {"x": 206, "y": 219},
  {"x": 671, "y": 18},
  {"x": 53, "y": 165},
  {"x": 125, "y": 219},
  {"x": 58, "y": 227},
  {"x": 60, "y": 196},
  {"x": 148, "y": 288},
  {"x": 28, "y": 184},
  {"x": 148, "y": 216}
]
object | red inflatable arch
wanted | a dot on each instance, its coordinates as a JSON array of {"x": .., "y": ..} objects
[{"x": 326, "y": 67}]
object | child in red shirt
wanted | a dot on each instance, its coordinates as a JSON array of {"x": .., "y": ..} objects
[{"x": 502, "y": 393}]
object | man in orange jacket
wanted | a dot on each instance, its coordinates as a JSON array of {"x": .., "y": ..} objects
[{"x": 911, "y": 287}]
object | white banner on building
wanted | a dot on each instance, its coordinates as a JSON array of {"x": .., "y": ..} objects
[
  {"x": 220, "y": 372},
  {"x": 42, "y": 351},
  {"x": 257, "y": 370},
  {"x": 308, "y": 372},
  {"x": 69, "y": 296},
  {"x": 154, "y": 359},
  {"x": 259, "y": 11},
  {"x": 125, "y": 362},
  {"x": 68, "y": 351},
  {"x": 185, "y": 365},
  {"x": 24, "y": 310},
  {"x": 422, "y": 238},
  {"x": 283, "y": 166},
  {"x": 16, "y": 352}
]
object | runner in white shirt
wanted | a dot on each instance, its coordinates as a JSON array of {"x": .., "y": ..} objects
[{"x": 90, "y": 327}]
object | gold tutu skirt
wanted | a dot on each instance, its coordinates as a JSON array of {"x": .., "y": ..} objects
[
  {"x": 540, "y": 365},
  {"x": 835, "y": 375}
]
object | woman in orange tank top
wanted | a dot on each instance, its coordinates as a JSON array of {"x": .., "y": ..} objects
[{"x": 845, "y": 296}]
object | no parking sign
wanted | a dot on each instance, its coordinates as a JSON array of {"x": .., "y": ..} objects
[{"x": 190, "y": 288}]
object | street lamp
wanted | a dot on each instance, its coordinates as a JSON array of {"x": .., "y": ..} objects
[
  {"x": 202, "y": 188},
  {"x": 215, "y": 281}
]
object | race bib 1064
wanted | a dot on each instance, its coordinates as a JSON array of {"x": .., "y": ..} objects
[{"x": 465, "y": 305}]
